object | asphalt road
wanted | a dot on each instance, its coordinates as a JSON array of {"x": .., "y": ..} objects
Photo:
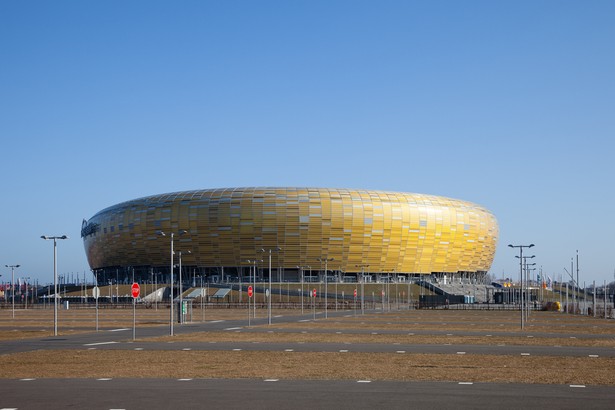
[{"x": 174, "y": 394}]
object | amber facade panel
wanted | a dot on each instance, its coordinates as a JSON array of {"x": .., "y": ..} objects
[{"x": 390, "y": 231}]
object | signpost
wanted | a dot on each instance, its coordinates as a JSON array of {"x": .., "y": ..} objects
[
  {"x": 96, "y": 294},
  {"x": 314, "y": 302},
  {"x": 250, "y": 293},
  {"x": 136, "y": 290}
]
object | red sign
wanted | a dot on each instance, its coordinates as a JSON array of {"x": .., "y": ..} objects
[
  {"x": 249, "y": 291},
  {"x": 136, "y": 290},
  {"x": 355, "y": 293},
  {"x": 314, "y": 293}
]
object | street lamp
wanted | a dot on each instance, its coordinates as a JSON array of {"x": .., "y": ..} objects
[
  {"x": 55, "y": 279},
  {"x": 172, "y": 235},
  {"x": 326, "y": 261},
  {"x": 521, "y": 272},
  {"x": 181, "y": 289},
  {"x": 276, "y": 249},
  {"x": 13, "y": 284},
  {"x": 26, "y": 284},
  {"x": 362, "y": 266}
]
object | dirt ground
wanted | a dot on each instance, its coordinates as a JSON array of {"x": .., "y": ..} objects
[{"x": 318, "y": 365}]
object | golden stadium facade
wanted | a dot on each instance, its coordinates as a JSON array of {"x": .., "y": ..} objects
[{"x": 374, "y": 231}]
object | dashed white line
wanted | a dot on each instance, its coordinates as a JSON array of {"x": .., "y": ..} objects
[
  {"x": 364, "y": 381},
  {"x": 100, "y": 343},
  {"x": 461, "y": 352},
  {"x": 104, "y": 379},
  {"x": 401, "y": 351},
  {"x": 271, "y": 380},
  {"x": 232, "y": 328},
  {"x": 593, "y": 355},
  {"x": 343, "y": 351},
  {"x": 289, "y": 350},
  {"x": 138, "y": 348},
  {"x": 26, "y": 380},
  {"x": 525, "y": 354},
  {"x": 466, "y": 383},
  {"x": 119, "y": 330},
  {"x": 236, "y": 350},
  {"x": 186, "y": 349},
  {"x": 577, "y": 385},
  {"x": 184, "y": 380}
]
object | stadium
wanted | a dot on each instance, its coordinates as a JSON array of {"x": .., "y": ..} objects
[{"x": 223, "y": 235}]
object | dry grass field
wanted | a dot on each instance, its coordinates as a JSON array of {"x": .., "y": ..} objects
[{"x": 405, "y": 327}]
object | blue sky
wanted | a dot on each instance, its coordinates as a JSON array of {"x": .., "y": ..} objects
[{"x": 508, "y": 104}]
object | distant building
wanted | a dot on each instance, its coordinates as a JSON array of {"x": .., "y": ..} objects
[{"x": 386, "y": 235}]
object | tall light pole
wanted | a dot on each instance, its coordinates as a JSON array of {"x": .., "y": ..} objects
[
  {"x": 172, "y": 236},
  {"x": 13, "y": 284},
  {"x": 55, "y": 279},
  {"x": 362, "y": 266},
  {"x": 277, "y": 249},
  {"x": 181, "y": 289},
  {"x": 521, "y": 273},
  {"x": 326, "y": 261},
  {"x": 26, "y": 284}
]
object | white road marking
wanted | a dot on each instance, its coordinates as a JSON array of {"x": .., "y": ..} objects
[
  {"x": 343, "y": 351},
  {"x": 466, "y": 383},
  {"x": 289, "y": 350},
  {"x": 577, "y": 385},
  {"x": 525, "y": 354},
  {"x": 138, "y": 348},
  {"x": 184, "y": 380},
  {"x": 104, "y": 379},
  {"x": 119, "y": 330},
  {"x": 232, "y": 328},
  {"x": 271, "y": 380},
  {"x": 186, "y": 349},
  {"x": 216, "y": 321},
  {"x": 364, "y": 381},
  {"x": 305, "y": 320},
  {"x": 401, "y": 351},
  {"x": 236, "y": 350},
  {"x": 461, "y": 352},
  {"x": 593, "y": 355},
  {"x": 100, "y": 343},
  {"x": 26, "y": 380}
]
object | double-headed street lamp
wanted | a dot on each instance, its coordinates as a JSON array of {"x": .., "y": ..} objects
[
  {"x": 362, "y": 266},
  {"x": 181, "y": 289},
  {"x": 521, "y": 273},
  {"x": 13, "y": 284},
  {"x": 55, "y": 279},
  {"x": 326, "y": 261},
  {"x": 276, "y": 249},
  {"x": 172, "y": 235}
]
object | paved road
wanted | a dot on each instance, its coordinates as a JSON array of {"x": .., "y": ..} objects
[{"x": 174, "y": 394}]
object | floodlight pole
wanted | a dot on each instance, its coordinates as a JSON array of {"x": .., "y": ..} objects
[
  {"x": 55, "y": 279},
  {"x": 521, "y": 274},
  {"x": 13, "y": 284}
]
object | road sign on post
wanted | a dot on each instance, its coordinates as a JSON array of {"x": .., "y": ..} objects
[
  {"x": 250, "y": 291},
  {"x": 355, "y": 293},
  {"x": 136, "y": 290},
  {"x": 313, "y": 293}
]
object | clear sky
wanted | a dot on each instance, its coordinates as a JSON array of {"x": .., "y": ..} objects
[{"x": 508, "y": 104}]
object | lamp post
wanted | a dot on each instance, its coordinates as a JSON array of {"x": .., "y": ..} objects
[
  {"x": 326, "y": 261},
  {"x": 181, "y": 289},
  {"x": 172, "y": 234},
  {"x": 55, "y": 279},
  {"x": 277, "y": 249},
  {"x": 362, "y": 266},
  {"x": 521, "y": 273},
  {"x": 26, "y": 285},
  {"x": 254, "y": 262},
  {"x": 13, "y": 284}
]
